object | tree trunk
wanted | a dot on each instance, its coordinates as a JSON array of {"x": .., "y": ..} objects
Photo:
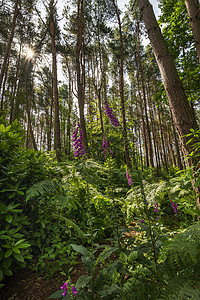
[
  {"x": 68, "y": 146},
  {"x": 121, "y": 89},
  {"x": 28, "y": 110},
  {"x": 143, "y": 122},
  {"x": 183, "y": 116},
  {"x": 180, "y": 165},
  {"x": 55, "y": 83},
  {"x": 79, "y": 50},
  {"x": 7, "y": 53},
  {"x": 162, "y": 139},
  {"x": 194, "y": 15},
  {"x": 144, "y": 97}
]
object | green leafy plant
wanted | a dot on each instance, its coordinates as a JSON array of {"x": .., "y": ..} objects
[{"x": 14, "y": 249}]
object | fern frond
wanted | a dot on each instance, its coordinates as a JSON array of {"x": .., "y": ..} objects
[
  {"x": 71, "y": 224},
  {"x": 66, "y": 201},
  {"x": 41, "y": 188},
  {"x": 181, "y": 254},
  {"x": 181, "y": 290}
]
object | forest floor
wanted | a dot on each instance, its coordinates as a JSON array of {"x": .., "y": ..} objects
[{"x": 27, "y": 285}]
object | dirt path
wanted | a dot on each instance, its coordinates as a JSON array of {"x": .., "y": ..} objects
[{"x": 26, "y": 285}]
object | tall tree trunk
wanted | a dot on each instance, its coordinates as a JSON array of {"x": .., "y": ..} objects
[
  {"x": 80, "y": 79},
  {"x": 183, "y": 116},
  {"x": 121, "y": 88},
  {"x": 180, "y": 165},
  {"x": 162, "y": 139},
  {"x": 143, "y": 122},
  {"x": 55, "y": 83},
  {"x": 15, "y": 84},
  {"x": 144, "y": 97},
  {"x": 30, "y": 128},
  {"x": 194, "y": 15},
  {"x": 4, "y": 86},
  {"x": 153, "y": 125},
  {"x": 68, "y": 146},
  {"x": 7, "y": 53}
]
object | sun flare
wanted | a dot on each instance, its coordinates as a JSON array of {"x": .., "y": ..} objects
[{"x": 29, "y": 53}]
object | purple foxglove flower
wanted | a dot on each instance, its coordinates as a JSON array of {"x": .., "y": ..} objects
[
  {"x": 157, "y": 218},
  {"x": 65, "y": 292},
  {"x": 129, "y": 177},
  {"x": 110, "y": 115},
  {"x": 142, "y": 221},
  {"x": 174, "y": 206},
  {"x": 74, "y": 290},
  {"x": 77, "y": 142},
  {"x": 156, "y": 208},
  {"x": 65, "y": 285}
]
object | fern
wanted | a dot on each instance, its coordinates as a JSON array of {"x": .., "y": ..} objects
[
  {"x": 141, "y": 286},
  {"x": 181, "y": 290},
  {"x": 181, "y": 255},
  {"x": 41, "y": 188},
  {"x": 71, "y": 224}
]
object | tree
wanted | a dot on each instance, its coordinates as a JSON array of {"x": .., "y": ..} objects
[
  {"x": 7, "y": 52},
  {"x": 194, "y": 15},
  {"x": 55, "y": 82},
  {"x": 121, "y": 87},
  {"x": 182, "y": 113},
  {"x": 80, "y": 70}
]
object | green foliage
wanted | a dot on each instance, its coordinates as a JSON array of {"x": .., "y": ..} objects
[
  {"x": 45, "y": 187},
  {"x": 14, "y": 249},
  {"x": 177, "y": 189},
  {"x": 72, "y": 207},
  {"x": 11, "y": 138},
  {"x": 181, "y": 253},
  {"x": 178, "y": 35}
]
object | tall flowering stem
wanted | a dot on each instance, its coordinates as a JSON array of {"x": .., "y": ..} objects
[
  {"x": 64, "y": 288},
  {"x": 78, "y": 140},
  {"x": 105, "y": 146},
  {"x": 109, "y": 112},
  {"x": 129, "y": 177},
  {"x": 174, "y": 206},
  {"x": 156, "y": 209}
]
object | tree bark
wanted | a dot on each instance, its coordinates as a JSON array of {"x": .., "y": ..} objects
[
  {"x": 7, "y": 53},
  {"x": 70, "y": 102},
  {"x": 55, "y": 83},
  {"x": 194, "y": 15},
  {"x": 121, "y": 89},
  {"x": 162, "y": 139},
  {"x": 144, "y": 98},
  {"x": 79, "y": 50},
  {"x": 183, "y": 116}
]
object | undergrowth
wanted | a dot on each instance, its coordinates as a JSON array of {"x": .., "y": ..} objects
[{"x": 132, "y": 241}]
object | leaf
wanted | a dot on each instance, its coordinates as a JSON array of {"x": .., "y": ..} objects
[
  {"x": 1, "y": 275},
  {"x": 109, "y": 290},
  {"x": 7, "y": 263},
  {"x": 16, "y": 250},
  {"x": 8, "y": 253},
  {"x": 8, "y": 218},
  {"x": 8, "y": 272},
  {"x": 19, "y": 242},
  {"x": 80, "y": 249},
  {"x": 82, "y": 281},
  {"x": 41, "y": 188},
  {"x": 24, "y": 246},
  {"x": 57, "y": 294},
  {"x": 18, "y": 256}
]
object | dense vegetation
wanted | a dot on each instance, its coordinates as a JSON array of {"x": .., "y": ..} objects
[{"x": 96, "y": 167}]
